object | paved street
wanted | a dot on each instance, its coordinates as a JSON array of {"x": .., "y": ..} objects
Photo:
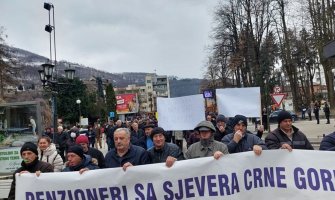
[{"x": 311, "y": 129}]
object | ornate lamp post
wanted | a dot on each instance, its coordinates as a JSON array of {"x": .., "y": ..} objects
[{"x": 48, "y": 73}]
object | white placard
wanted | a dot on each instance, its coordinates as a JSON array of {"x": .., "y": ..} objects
[
  {"x": 239, "y": 101},
  {"x": 181, "y": 113},
  {"x": 84, "y": 121},
  {"x": 275, "y": 175}
]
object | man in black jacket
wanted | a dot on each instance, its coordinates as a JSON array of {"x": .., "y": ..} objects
[
  {"x": 125, "y": 154},
  {"x": 162, "y": 151},
  {"x": 30, "y": 164},
  {"x": 60, "y": 139},
  {"x": 242, "y": 140},
  {"x": 221, "y": 129},
  {"x": 328, "y": 142},
  {"x": 97, "y": 156},
  {"x": 287, "y": 136}
]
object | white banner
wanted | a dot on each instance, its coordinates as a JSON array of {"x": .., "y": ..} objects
[
  {"x": 276, "y": 174},
  {"x": 180, "y": 113},
  {"x": 242, "y": 101}
]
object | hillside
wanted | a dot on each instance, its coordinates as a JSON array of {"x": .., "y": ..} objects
[{"x": 31, "y": 63}]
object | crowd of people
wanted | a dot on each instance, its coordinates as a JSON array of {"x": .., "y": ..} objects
[{"x": 140, "y": 143}]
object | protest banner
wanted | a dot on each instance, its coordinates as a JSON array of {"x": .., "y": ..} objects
[
  {"x": 242, "y": 101},
  {"x": 180, "y": 113},
  {"x": 276, "y": 174}
]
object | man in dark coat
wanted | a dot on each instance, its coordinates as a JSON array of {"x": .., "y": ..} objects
[
  {"x": 287, "y": 136},
  {"x": 221, "y": 129},
  {"x": 125, "y": 154},
  {"x": 137, "y": 136},
  {"x": 241, "y": 140},
  {"x": 96, "y": 155},
  {"x": 78, "y": 161},
  {"x": 61, "y": 139},
  {"x": 162, "y": 151},
  {"x": 328, "y": 142},
  {"x": 316, "y": 112},
  {"x": 30, "y": 164},
  {"x": 326, "y": 110}
]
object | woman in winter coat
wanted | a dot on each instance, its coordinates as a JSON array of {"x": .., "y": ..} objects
[{"x": 47, "y": 152}]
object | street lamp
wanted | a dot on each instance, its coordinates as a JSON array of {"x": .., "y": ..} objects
[
  {"x": 49, "y": 28},
  {"x": 79, "y": 102},
  {"x": 48, "y": 73}
]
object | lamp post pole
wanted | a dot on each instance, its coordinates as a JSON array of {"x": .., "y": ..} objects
[
  {"x": 48, "y": 74},
  {"x": 79, "y": 102}
]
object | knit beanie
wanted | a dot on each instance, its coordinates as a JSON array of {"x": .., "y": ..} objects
[
  {"x": 157, "y": 130},
  {"x": 82, "y": 139},
  {"x": 29, "y": 146},
  {"x": 239, "y": 119},
  {"x": 221, "y": 118},
  {"x": 283, "y": 115},
  {"x": 76, "y": 149}
]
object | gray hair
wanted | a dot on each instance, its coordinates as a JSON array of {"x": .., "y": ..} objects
[{"x": 123, "y": 129}]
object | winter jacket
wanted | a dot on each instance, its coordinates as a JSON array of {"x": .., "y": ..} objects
[
  {"x": 95, "y": 153},
  {"x": 91, "y": 135},
  {"x": 50, "y": 155},
  {"x": 135, "y": 155},
  {"x": 328, "y": 142},
  {"x": 36, "y": 165},
  {"x": 245, "y": 144},
  {"x": 85, "y": 163},
  {"x": 218, "y": 135},
  {"x": 137, "y": 138},
  {"x": 277, "y": 138},
  {"x": 197, "y": 150},
  {"x": 61, "y": 140},
  {"x": 169, "y": 149}
]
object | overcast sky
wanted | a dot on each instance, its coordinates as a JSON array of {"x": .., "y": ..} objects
[{"x": 169, "y": 36}]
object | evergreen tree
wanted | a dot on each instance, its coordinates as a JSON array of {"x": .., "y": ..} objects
[{"x": 110, "y": 99}]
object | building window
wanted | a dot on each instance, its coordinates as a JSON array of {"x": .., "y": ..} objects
[{"x": 148, "y": 81}]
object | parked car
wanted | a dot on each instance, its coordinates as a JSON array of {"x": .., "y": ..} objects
[{"x": 274, "y": 115}]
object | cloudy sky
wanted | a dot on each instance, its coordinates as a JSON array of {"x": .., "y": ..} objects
[{"x": 169, "y": 36}]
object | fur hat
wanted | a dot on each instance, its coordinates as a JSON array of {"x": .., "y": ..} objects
[
  {"x": 29, "y": 146},
  {"x": 283, "y": 115}
]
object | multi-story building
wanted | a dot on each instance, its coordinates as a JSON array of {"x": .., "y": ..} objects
[
  {"x": 156, "y": 86},
  {"x": 140, "y": 91}
]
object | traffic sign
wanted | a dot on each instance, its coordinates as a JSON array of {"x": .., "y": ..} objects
[
  {"x": 278, "y": 98},
  {"x": 277, "y": 89}
]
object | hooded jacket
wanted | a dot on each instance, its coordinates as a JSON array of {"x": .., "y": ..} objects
[{"x": 50, "y": 155}]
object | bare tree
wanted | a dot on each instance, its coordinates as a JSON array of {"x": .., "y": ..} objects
[
  {"x": 8, "y": 70},
  {"x": 322, "y": 20}
]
